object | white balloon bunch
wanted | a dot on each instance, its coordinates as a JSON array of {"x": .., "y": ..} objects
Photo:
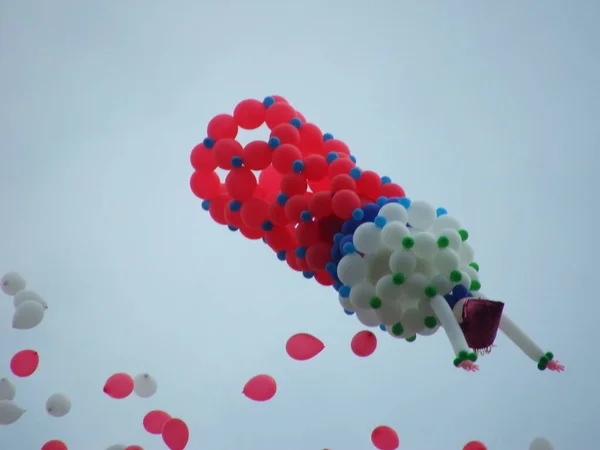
[
  {"x": 396, "y": 264},
  {"x": 29, "y": 305}
]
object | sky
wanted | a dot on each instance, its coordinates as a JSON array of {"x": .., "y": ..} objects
[{"x": 490, "y": 109}]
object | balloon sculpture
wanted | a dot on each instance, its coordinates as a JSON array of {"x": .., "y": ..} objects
[{"x": 402, "y": 265}]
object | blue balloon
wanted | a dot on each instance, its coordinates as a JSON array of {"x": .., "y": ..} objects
[
  {"x": 459, "y": 292},
  {"x": 350, "y": 226},
  {"x": 345, "y": 240},
  {"x": 371, "y": 210},
  {"x": 441, "y": 212},
  {"x": 451, "y": 300}
]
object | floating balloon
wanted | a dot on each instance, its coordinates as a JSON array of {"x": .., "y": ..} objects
[
  {"x": 9, "y": 412},
  {"x": 119, "y": 386},
  {"x": 303, "y": 346},
  {"x": 144, "y": 385},
  {"x": 385, "y": 438},
  {"x": 363, "y": 343},
  {"x": 117, "y": 447},
  {"x": 24, "y": 363},
  {"x": 175, "y": 434},
  {"x": 540, "y": 443},
  {"x": 474, "y": 445},
  {"x": 58, "y": 405},
  {"x": 260, "y": 388},
  {"x": 28, "y": 315},
  {"x": 54, "y": 445},
  {"x": 155, "y": 420},
  {"x": 25, "y": 295},
  {"x": 11, "y": 283},
  {"x": 134, "y": 447},
  {"x": 7, "y": 389}
]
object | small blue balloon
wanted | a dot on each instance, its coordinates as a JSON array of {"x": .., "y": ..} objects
[
  {"x": 296, "y": 122},
  {"x": 327, "y": 137},
  {"x": 358, "y": 214},
  {"x": 281, "y": 255},
  {"x": 348, "y": 248},
  {"x": 451, "y": 300},
  {"x": 336, "y": 253},
  {"x": 282, "y": 199},
  {"x": 208, "y": 142},
  {"x": 235, "y": 205},
  {"x": 380, "y": 221},
  {"x": 305, "y": 216},
  {"x": 382, "y": 200},
  {"x": 353, "y": 159},
  {"x": 237, "y": 162},
  {"x": 355, "y": 173},
  {"x": 274, "y": 142},
  {"x": 345, "y": 291},
  {"x": 441, "y": 212},
  {"x": 268, "y": 101},
  {"x": 386, "y": 180},
  {"x": 205, "y": 205},
  {"x": 350, "y": 226},
  {"x": 346, "y": 239},
  {"x": 382, "y": 327},
  {"x": 232, "y": 228},
  {"x": 300, "y": 252},
  {"x": 459, "y": 292},
  {"x": 267, "y": 225},
  {"x": 308, "y": 275},
  {"x": 337, "y": 238},
  {"x": 349, "y": 313},
  {"x": 298, "y": 166},
  {"x": 404, "y": 201},
  {"x": 371, "y": 210},
  {"x": 331, "y": 157},
  {"x": 337, "y": 286},
  {"x": 331, "y": 267}
]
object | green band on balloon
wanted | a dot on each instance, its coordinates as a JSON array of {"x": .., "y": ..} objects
[
  {"x": 430, "y": 322},
  {"x": 474, "y": 265},
  {"x": 375, "y": 302},
  {"x": 443, "y": 242},
  {"x": 456, "y": 276},
  {"x": 543, "y": 363},
  {"x": 456, "y": 362},
  {"x": 408, "y": 242},
  {"x": 472, "y": 357},
  {"x": 397, "y": 329},
  {"x": 475, "y": 285},
  {"x": 464, "y": 235},
  {"x": 550, "y": 356},
  {"x": 463, "y": 354},
  {"x": 412, "y": 338},
  {"x": 430, "y": 291},
  {"x": 398, "y": 278}
]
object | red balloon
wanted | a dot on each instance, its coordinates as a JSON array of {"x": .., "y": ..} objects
[
  {"x": 54, "y": 445},
  {"x": 24, "y": 363},
  {"x": 340, "y": 166},
  {"x": 318, "y": 255},
  {"x": 279, "y": 99},
  {"x": 292, "y": 261},
  {"x": 279, "y": 238},
  {"x": 251, "y": 233},
  {"x": 279, "y": 113},
  {"x": 175, "y": 434},
  {"x": 300, "y": 116},
  {"x": 344, "y": 202},
  {"x": 307, "y": 234},
  {"x": 217, "y": 208},
  {"x": 224, "y": 151},
  {"x": 293, "y": 184},
  {"x": 294, "y": 207},
  {"x": 311, "y": 140},
  {"x": 369, "y": 184},
  {"x": 257, "y": 155},
  {"x": 475, "y": 445},
  {"x": 392, "y": 190},
  {"x": 270, "y": 180},
  {"x": 320, "y": 205},
  {"x": 284, "y": 156},
  {"x": 254, "y": 213},
  {"x": 318, "y": 186},
  {"x": 337, "y": 146},
  {"x": 324, "y": 278},
  {"x": 260, "y": 388},
  {"x": 233, "y": 218},
  {"x": 385, "y": 438},
  {"x": 286, "y": 133},
  {"x": 277, "y": 214},
  {"x": 363, "y": 343},
  {"x": 222, "y": 126},
  {"x": 119, "y": 386},
  {"x": 249, "y": 114},
  {"x": 134, "y": 447},
  {"x": 240, "y": 183},
  {"x": 202, "y": 159},
  {"x": 155, "y": 420},
  {"x": 303, "y": 346},
  {"x": 315, "y": 167},
  {"x": 342, "y": 181},
  {"x": 205, "y": 185},
  {"x": 328, "y": 227}
]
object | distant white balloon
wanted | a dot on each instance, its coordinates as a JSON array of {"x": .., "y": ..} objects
[
  {"x": 117, "y": 447},
  {"x": 7, "y": 389},
  {"x": 12, "y": 283},
  {"x": 540, "y": 443},
  {"x": 28, "y": 315},
  {"x": 58, "y": 405},
  {"x": 25, "y": 295},
  {"x": 144, "y": 385},
  {"x": 9, "y": 412},
  {"x": 367, "y": 317}
]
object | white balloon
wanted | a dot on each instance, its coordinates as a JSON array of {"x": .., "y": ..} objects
[
  {"x": 426, "y": 309},
  {"x": 445, "y": 221},
  {"x": 425, "y": 266},
  {"x": 144, "y": 385},
  {"x": 421, "y": 215},
  {"x": 429, "y": 331},
  {"x": 393, "y": 233},
  {"x": 367, "y": 238},
  {"x": 394, "y": 212},
  {"x": 7, "y": 389},
  {"x": 390, "y": 312},
  {"x": 446, "y": 260},
  {"x": 406, "y": 332},
  {"x": 9, "y": 412},
  {"x": 28, "y": 315},
  {"x": 387, "y": 290},
  {"x": 12, "y": 283},
  {"x": 402, "y": 261},
  {"x": 25, "y": 295},
  {"x": 453, "y": 237},
  {"x": 117, "y": 447},
  {"x": 377, "y": 265},
  {"x": 466, "y": 253},
  {"x": 352, "y": 269},
  {"x": 425, "y": 245},
  {"x": 346, "y": 303},
  {"x": 465, "y": 280},
  {"x": 472, "y": 273},
  {"x": 413, "y": 320},
  {"x": 540, "y": 443},
  {"x": 367, "y": 317},
  {"x": 442, "y": 284},
  {"x": 361, "y": 294},
  {"x": 58, "y": 405},
  {"x": 414, "y": 286}
]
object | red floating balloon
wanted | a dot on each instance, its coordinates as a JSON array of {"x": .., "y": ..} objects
[
  {"x": 54, "y": 445},
  {"x": 319, "y": 186},
  {"x": 176, "y": 434},
  {"x": 342, "y": 181},
  {"x": 24, "y": 363},
  {"x": 217, "y": 208},
  {"x": 293, "y": 184},
  {"x": 392, "y": 190},
  {"x": 225, "y": 150},
  {"x": 134, "y": 447},
  {"x": 202, "y": 159},
  {"x": 337, "y": 146},
  {"x": 155, "y": 420},
  {"x": 270, "y": 180},
  {"x": 340, "y": 166},
  {"x": 303, "y": 346},
  {"x": 279, "y": 113},
  {"x": 328, "y": 227},
  {"x": 363, "y": 343},
  {"x": 311, "y": 140},
  {"x": 222, "y": 126},
  {"x": 251, "y": 233},
  {"x": 307, "y": 234},
  {"x": 318, "y": 255},
  {"x": 260, "y": 388},
  {"x": 255, "y": 212},
  {"x": 320, "y": 205},
  {"x": 240, "y": 183},
  {"x": 277, "y": 214},
  {"x": 324, "y": 278},
  {"x": 300, "y": 116},
  {"x": 279, "y": 238},
  {"x": 284, "y": 156},
  {"x": 286, "y": 133},
  {"x": 344, "y": 202},
  {"x": 233, "y": 218},
  {"x": 315, "y": 167},
  {"x": 369, "y": 184},
  {"x": 279, "y": 99},
  {"x": 292, "y": 261},
  {"x": 119, "y": 386},
  {"x": 475, "y": 445},
  {"x": 249, "y": 114},
  {"x": 294, "y": 207},
  {"x": 205, "y": 185},
  {"x": 385, "y": 438},
  {"x": 257, "y": 155}
]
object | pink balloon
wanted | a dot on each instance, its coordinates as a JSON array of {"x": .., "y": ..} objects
[
  {"x": 54, "y": 445},
  {"x": 303, "y": 346},
  {"x": 176, "y": 434},
  {"x": 119, "y": 386},
  {"x": 260, "y": 388},
  {"x": 363, "y": 343},
  {"x": 134, "y": 447},
  {"x": 385, "y": 438},
  {"x": 24, "y": 363},
  {"x": 475, "y": 445},
  {"x": 155, "y": 420}
]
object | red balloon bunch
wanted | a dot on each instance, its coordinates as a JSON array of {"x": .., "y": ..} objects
[{"x": 294, "y": 190}]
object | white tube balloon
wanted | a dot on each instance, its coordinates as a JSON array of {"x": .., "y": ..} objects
[
  {"x": 9, "y": 412},
  {"x": 520, "y": 339},
  {"x": 7, "y": 389},
  {"x": 448, "y": 321}
]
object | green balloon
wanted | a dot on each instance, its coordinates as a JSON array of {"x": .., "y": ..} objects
[
  {"x": 550, "y": 356},
  {"x": 408, "y": 242},
  {"x": 541, "y": 366},
  {"x": 398, "y": 278},
  {"x": 397, "y": 329},
  {"x": 474, "y": 265},
  {"x": 430, "y": 291},
  {"x": 475, "y": 285},
  {"x": 464, "y": 234},
  {"x": 443, "y": 242},
  {"x": 463, "y": 354},
  {"x": 455, "y": 276},
  {"x": 430, "y": 322},
  {"x": 411, "y": 339},
  {"x": 375, "y": 302},
  {"x": 472, "y": 357},
  {"x": 456, "y": 362}
]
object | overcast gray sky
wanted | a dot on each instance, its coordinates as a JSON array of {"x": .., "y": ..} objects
[{"x": 490, "y": 109}]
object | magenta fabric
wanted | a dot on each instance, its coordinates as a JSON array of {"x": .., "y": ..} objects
[{"x": 481, "y": 319}]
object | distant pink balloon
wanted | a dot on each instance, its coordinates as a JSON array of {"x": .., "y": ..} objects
[
  {"x": 175, "y": 434},
  {"x": 134, "y": 447},
  {"x": 303, "y": 346},
  {"x": 119, "y": 386},
  {"x": 54, "y": 445},
  {"x": 155, "y": 420},
  {"x": 260, "y": 388},
  {"x": 385, "y": 438},
  {"x": 363, "y": 343}
]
